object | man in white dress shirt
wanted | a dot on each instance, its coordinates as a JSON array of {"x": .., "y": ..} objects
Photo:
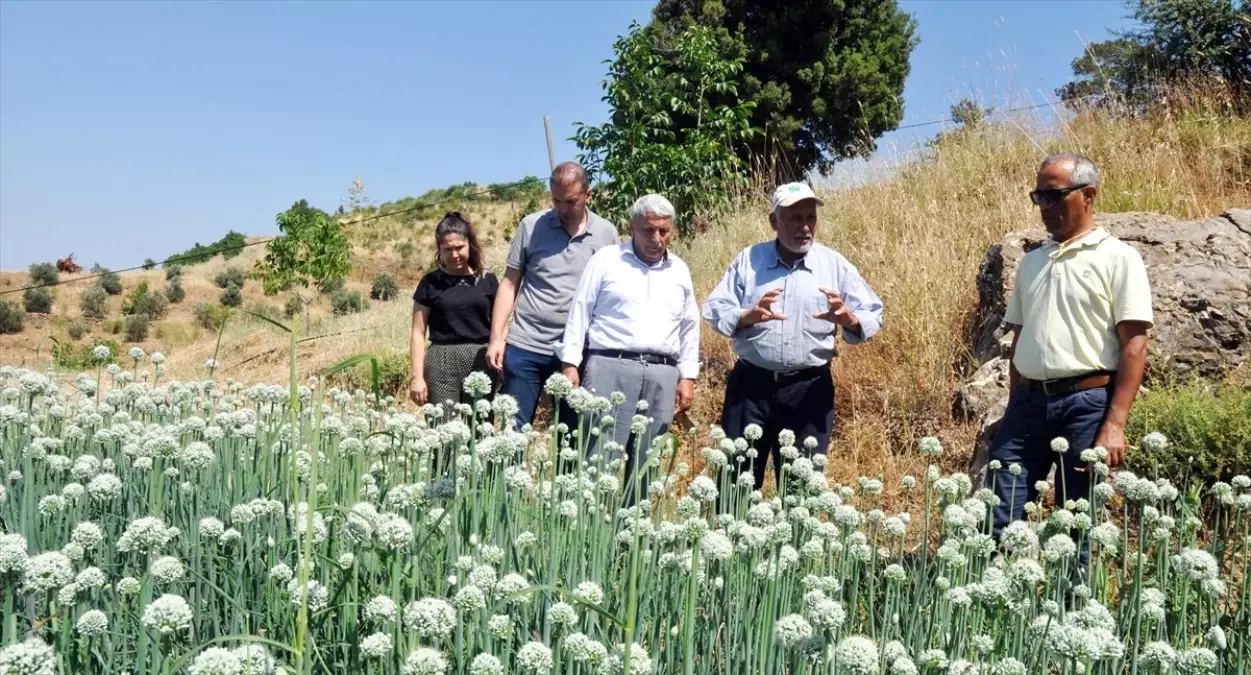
[{"x": 635, "y": 320}]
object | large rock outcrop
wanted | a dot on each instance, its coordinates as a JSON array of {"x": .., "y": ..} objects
[{"x": 1200, "y": 274}]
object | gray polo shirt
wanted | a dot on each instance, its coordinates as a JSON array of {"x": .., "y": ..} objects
[{"x": 551, "y": 264}]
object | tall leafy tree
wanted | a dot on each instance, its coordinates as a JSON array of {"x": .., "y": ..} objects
[
  {"x": 656, "y": 80},
  {"x": 825, "y": 77},
  {"x": 313, "y": 250},
  {"x": 1174, "y": 40}
]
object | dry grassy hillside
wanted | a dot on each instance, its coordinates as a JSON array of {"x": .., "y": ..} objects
[{"x": 917, "y": 238}]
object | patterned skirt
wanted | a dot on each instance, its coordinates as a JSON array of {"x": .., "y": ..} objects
[{"x": 447, "y": 366}]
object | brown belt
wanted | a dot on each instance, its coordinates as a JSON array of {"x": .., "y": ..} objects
[{"x": 1069, "y": 385}]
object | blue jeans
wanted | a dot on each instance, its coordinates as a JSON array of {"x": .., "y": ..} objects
[
  {"x": 1031, "y": 421},
  {"x": 525, "y": 373}
]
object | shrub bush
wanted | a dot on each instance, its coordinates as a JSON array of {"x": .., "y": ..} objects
[
  {"x": 174, "y": 292},
  {"x": 384, "y": 288},
  {"x": 394, "y": 369},
  {"x": 143, "y": 300},
  {"x": 405, "y": 249},
  {"x": 232, "y": 296},
  {"x": 76, "y": 329},
  {"x": 136, "y": 327},
  {"x": 109, "y": 280},
  {"x": 11, "y": 317},
  {"x": 149, "y": 264},
  {"x": 292, "y": 306},
  {"x": 1207, "y": 427},
  {"x": 94, "y": 302},
  {"x": 209, "y": 317},
  {"x": 43, "y": 273},
  {"x": 80, "y": 359},
  {"x": 347, "y": 302},
  {"x": 266, "y": 310},
  {"x": 115, "y": 326},
  {"x": 173, "y": 271},
  {"x": 231, "y": 276},
  {"x": 37, "y": 300},
  {"x": 332, "y": 285}
]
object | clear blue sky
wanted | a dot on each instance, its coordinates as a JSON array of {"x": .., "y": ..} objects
[{"x": 130, "y": 130}]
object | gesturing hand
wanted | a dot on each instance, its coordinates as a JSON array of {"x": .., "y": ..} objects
[
  {"x": 838, "y": 311},
  {"x": 763, "y": 311},
  {"x": 684, "y": 395}
]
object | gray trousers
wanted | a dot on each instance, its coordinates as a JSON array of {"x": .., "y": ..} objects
[{"x": 654, "y": 383}]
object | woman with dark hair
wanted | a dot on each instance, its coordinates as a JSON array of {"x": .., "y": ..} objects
[{"x": 454, "y": 302}]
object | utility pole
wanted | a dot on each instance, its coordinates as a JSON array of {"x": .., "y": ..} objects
[{"x": 551, "y": 149}]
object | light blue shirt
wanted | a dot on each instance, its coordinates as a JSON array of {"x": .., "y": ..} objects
[{"x": 800, "y": 340}]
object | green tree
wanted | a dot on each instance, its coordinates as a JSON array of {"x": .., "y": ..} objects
[
  {"x": 1174, "y": 40},
  {"x": 312, "y": 250},
  {"x": 654, "y": 81},
  {"x": 826, "y": 76}
]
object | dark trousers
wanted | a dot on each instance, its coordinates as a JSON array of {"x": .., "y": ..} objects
[
  {"x": 1030, "y": 422},
  {"x": 525, "y": 373},
  {"x": 803, "y": 404}
]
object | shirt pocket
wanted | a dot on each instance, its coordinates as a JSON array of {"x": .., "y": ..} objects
[{"x": 817, "y": 328}]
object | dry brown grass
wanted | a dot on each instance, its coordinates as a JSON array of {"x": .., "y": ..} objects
[{"x": 917, "y": 237}]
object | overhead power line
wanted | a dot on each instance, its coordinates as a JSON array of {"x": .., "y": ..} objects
[
  {"x": 216, "y": 250},
  {"x": 1005, "y": 110}
]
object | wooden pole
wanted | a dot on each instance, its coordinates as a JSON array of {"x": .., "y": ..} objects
[{"x": 551, "y": 149}]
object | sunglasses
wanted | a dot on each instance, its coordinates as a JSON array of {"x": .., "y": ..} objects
[{"x": 1048, "y": 197}]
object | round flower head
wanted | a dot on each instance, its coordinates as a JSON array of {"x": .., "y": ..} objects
[
  {"x": 477, "y": 384},
  {"x": 534, "y": 658},
  {"x": 167, "y": 570},
  {"x": 486, "y": 664},
  {"x": 558, "y": 386},
  {"x": 128, "y": 586},
  {"x": 92, "y": 622},
  {"x": 931, "y": 446},
  {"x": 31, "y": 657},
  {"x": 376, "y": 645},
  {"x": 1059, "y": 445},
  {"x": 13, "y": 553},
  {"x": 101, "y": 353},
  {"x": 168, "y": 614},
  {"x": 47, "y": 572},
  {"x": 425, "y": 661},
  {"x": 215, "y": 661},
  {"x": 703, "y": 489},
  {"x": 1154, "y": 442},
  {"x": 430, "y": 617},
  {"x": 858, "y": 655},
  {"x": 1196, "y": 661},
  {"x": 791, "y": 630},
  {"x": 562, "y": 614},
  {"x": 753, "y": 432}
]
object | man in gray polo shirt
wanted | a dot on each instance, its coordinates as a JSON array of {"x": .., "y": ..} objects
[{"x": 545, "y": 262}]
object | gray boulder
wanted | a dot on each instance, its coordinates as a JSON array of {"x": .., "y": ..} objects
[{"x": 1200, "y": 274}]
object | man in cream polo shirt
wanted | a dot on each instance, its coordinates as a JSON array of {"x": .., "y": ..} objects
[{"x": 1080, "y": 310}]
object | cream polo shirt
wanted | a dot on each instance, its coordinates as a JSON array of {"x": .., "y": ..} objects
[{"x": 1068, "y": 301}]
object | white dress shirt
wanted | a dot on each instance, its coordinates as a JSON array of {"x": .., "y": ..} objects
[{"x": 625, "y": 304}]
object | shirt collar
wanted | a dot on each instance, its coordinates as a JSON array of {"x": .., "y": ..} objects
[
  {"x": 627, "y": 247},
  {"x": 778, "y": 262},
  {"x": 1091, "y": 238}
]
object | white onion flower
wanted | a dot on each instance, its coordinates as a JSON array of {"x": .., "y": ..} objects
[
  {"x": 535, "y": 658},
  {"x": 430, "y": 617},
  {"x": 47, "y": 572},
  {"x": 790, "y": 630},
  {"x": 376, "y": 645},
  {"x": 92, "y": 622},
  {"x": 425, "y": 661},
  {"x": 216, "y": 661},
  {"x": 858, "y": 654},
  {"x": 486, "y": 664},
  {"x": 32, "y": 657},
  {"x": 168, "y": 614}
]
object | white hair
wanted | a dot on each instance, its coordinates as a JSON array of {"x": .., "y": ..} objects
[
  {"x": 652, "y": 206},
  {"x": 1084, "y": 170}
]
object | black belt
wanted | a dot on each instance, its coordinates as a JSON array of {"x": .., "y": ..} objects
[
  {"x": 786, "y": 375},
  {"x": 1068, "y": 385},
  {"x": 654, "y": 359}
]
